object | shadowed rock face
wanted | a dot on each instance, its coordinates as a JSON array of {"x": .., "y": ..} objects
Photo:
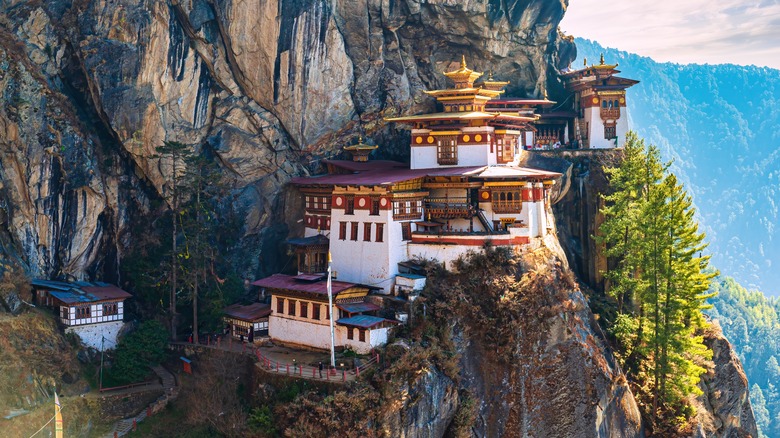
[{"x": 271, "y": 86}]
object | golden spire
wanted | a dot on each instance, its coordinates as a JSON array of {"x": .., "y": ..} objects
[
  {"x": 601, "y": 61},
  {"x": 585, "y": 62},
  {"x": 463, "y": 77},
  {"x": 360, "y": 150},
  {"x": 463, "y": 62}
]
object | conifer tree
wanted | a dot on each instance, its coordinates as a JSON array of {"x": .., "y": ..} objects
[{"x": 657, "y": 275}]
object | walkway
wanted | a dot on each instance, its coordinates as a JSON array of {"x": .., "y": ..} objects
[
  {"x": 292, "y": 362},
  {"x": 123, "y": 427}
]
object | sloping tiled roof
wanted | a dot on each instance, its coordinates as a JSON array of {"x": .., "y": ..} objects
[
  {"x": 358, "y": 307},
  {"x": 385, "y": 177},
  {"x": 90, "y": 294},
  {"x": 363, "y": 321},
  {"x": 250, "y": 313},
  {"x": 288, "y": 282}
]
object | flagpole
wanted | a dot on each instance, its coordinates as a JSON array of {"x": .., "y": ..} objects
[
  {"x": 330, "y": 311},
  {"x": 57, "y": 416}
]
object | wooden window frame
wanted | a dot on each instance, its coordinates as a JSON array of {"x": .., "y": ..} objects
[
  {"x": 304, "y": 309},
  {"x": 350, "y": 334},
  {"x": 362, "y": 335},
  {"x": 110, "y": 309},
  {"x": 349, "y": 204},
  {"x": 406, "y": 231},
  {"x": 280, "y": 306},
  {"x": 374, "y": 206},
  {"x": 315, "y": 311},
  {"x": 610, "y": 130},
  {"x": 447, "y": 150},
  {"x": 354, "y": 231},
  {"x": 380, "y": 232},
  {"x": 367, "y": 232},
  {"x": 342, "y": 231},
  {"x": 291, "y": 308}
]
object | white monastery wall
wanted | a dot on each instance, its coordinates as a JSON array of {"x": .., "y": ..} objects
[
  {"x": 92, "y": 334},
  {"x": 359, "y": 261},
  {"x": 308, "y": 333},
  {"x": 622, "y": 127}
]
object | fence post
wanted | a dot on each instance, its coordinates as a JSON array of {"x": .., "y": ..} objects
[
  {"x": 344, "y": 375},
  {"x": 357, "y": 371},
  {"x": 300, "y": 370},
  {"x": 288, "y": 368},
  {"x": 135, "y": 425},
  {"x": 148, "y": 411},
  {"x": 277, "y": 367},
  {"x": 313, "y": 375}
]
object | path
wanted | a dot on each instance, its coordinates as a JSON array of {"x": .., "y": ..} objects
[{"x": 124, "y": 426}]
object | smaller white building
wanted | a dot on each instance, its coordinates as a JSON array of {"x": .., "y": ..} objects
[
  {"x": 300, "y": 314},
  {"x": 93, "y": 311}
]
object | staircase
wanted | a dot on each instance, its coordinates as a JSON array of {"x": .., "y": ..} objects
[
  {"x": 485, "y": 223},
  {"x": 124, "y": 426}
]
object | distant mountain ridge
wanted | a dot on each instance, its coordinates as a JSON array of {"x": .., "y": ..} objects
[{"x": 719, "y": 123}]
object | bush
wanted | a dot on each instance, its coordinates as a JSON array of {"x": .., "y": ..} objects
[
  {"x": 138, "y": 350},
  {"x": 261, "y": 421}
]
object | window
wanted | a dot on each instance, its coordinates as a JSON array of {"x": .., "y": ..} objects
[
  {"x": 380, "y": 231},
  {"x": 315, "y": 311},
  {"x": 367, "y": 232},
  {"x": 447, "y": 149},
  {"x": 304, "y": 310},
  {"x": 64, "y": 312},
  {"x": 604, "y": 104},
  {"x": 362, "y": 335},
  {"x": 406, "y": 230},
  {"x": 327, "y": 312},
  {"x": 350, "y": 336},
  {"x": 507, "y": 200},
  {"x": 350, "y": 207},
  {"x": 291, "y": 308},
  {"x": 374, "y": 206},
  {"x": 609, "y": 132},
  {"x": 110, "y": 309},
  {"x": 342, "y": 231},
  {"x": 354, "y": 231},
  {"x": 280, "y": 305},
  {"x": 83, "y": 312},
  {"x": 407, "y": 210}
]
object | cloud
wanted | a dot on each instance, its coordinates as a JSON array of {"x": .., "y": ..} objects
[{"x": 684, "y": 31}]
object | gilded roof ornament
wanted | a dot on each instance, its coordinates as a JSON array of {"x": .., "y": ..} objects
[{"x": 463, "y": 77}]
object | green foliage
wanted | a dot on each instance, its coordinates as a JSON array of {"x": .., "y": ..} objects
[
  {"x": 658, "y": 277},
  {"x": 261, "y": 420},
  {"x": 751, "y": 322},
  {"x": 138, "y": 350}
]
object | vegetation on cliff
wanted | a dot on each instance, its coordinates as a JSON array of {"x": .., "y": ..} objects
[
  {"x": 751, "y": 321},
  {"x": 659, "y": 280}
]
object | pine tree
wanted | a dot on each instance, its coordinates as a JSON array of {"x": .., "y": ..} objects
[
  {"x": 657, "y": 275},
  {"x": 173, "y": 154}
]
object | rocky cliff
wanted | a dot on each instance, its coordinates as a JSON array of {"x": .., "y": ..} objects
[{"x": 91, "y": 88}]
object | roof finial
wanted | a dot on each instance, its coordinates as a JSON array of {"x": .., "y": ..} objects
[
  {"x": 545, "y": 94},
  {"x": 360, "y": 139},
  {"x": 490, "y": 75},
  {"x": 602, "y": 59},
  {"x": 585, "y": 62},
  {"x": 463, "y": 61}
]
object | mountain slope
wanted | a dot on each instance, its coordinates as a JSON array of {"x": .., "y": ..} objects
[{"x": 719, "y": 125}]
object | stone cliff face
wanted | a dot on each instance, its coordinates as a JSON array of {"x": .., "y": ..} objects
[{"x": 271, "y": 86}]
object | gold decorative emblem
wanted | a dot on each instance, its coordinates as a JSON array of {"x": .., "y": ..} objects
[
  {"x": 622, "y": 100},
  {"x": 418, "y": 140},
  {"x": 485, "y": 195},
  {"x": 478, "y": 137},
  {"x": 466, "y": 138},
  {"x": 430, "y": 139},
  {"x": 595, "y": 100}
]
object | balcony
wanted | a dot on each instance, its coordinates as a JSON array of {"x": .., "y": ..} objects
[
  {"x": 610, "y": 113},
  {"x": 449, "y": 208},
  {"x": 508, "y": 207}
]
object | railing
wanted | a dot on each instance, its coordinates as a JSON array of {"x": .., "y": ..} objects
[
  {"x": 449, "y": 207},
  {"x": 132, "y": 385},
  {"x": 507, "y": 206},
  {"x": 314, "y": 268},
  {"x": 334, "y": 374},
  {"x": 407, "y": 216},
  {"x": 610, "y": 113}
]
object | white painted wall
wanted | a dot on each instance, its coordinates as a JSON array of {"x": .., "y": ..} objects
[
  {"x": 622, "y": 127},
  {"x": 424, "y": 157},
  {"x": 596, "y": 130},
  {"x": 93, "y": 334},
  {"x": 365, "y": 262}
]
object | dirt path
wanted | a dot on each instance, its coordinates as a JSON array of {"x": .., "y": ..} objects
[{"x": 124, "y": 426}]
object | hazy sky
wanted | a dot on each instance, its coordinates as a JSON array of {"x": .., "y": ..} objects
[{"x": 684, "y": 31}]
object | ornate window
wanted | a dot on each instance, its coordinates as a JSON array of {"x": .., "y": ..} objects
[
  {"x": 406, "y": 230},
  {"x": 447, "y": 149},
  {"x": 374, "y": 206},
  {"x": 507, "y": 200},
  {"x": 610, "y": 132},
  {"x": 110, "y": 309},
  {"x": 350, "y": 204}
]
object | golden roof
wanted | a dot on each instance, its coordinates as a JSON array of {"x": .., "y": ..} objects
[
  {"x": 360, "y": 146},
  {"x": 467, "y": 115},
  {"x": 603, "y": 66},
  {"x": 492, "y": 84},
  {"x": 463, "y": 74}
]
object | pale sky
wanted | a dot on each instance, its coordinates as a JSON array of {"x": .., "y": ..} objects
[{"x": 683, "y": 31}]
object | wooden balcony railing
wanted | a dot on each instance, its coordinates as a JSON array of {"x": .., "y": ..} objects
[
  {"x": 610, "y": 113},
  {"x": 507, "y": 206},
  {"x": 448, "y": 208}
]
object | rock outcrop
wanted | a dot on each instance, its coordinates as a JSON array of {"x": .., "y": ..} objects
[
  {"x": 270, "y": 86},
  {"x": 725, "y": 405}
]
